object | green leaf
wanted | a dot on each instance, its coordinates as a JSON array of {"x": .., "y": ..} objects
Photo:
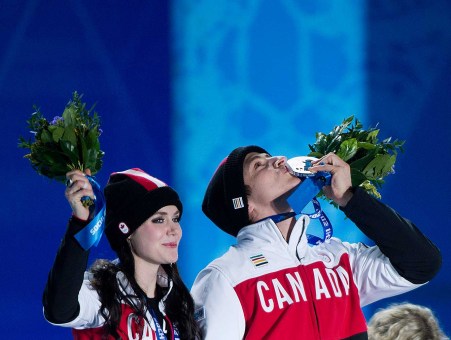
[
  {"x": 361, "y": 162},
  {"x": 68, "y": 116},
  {"x": 84, "y": 152},
  {"x": 91, "y": 159},
  {"x": 366, "y": 145},
  {"x": 372, "y": 136},
  {"x": 57, "y": 134},
  {"x": 348, "y": 121},
  {"x": 347, "y": 149},
  {"x": 389, "y": 166},
  {"x": 357, "y": 177},
  {"x": 92, "y": 140},
  {"x": 69, "y": 135},
  {"x": 46, "y": 137},
  {"x": 51, "y": 158},
  {"x": 70, "y": 150},
  {"x": 380, "y": 165},
  {"x": 23, "y": 143}
]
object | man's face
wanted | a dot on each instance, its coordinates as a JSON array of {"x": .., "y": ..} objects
[{"x": 267, "y": 177}]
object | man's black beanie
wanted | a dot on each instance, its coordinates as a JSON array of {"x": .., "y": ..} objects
[{"x": 225, "y": 201}]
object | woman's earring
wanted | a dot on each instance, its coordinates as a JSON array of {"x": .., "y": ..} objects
[{"x": 129, "y": 241}]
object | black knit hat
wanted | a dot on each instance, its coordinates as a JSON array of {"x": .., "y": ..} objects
[
  {"x": 225, "y": 201},
  {"x": 132, "y": 196}
]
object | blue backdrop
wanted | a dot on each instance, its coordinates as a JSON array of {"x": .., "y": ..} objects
[{"x": 179, "y": 84}]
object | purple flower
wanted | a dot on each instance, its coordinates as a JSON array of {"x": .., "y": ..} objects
[{"x": 55, "y": 120}]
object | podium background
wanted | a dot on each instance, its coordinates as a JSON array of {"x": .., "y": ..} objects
[{"x": 179, "y": 84}]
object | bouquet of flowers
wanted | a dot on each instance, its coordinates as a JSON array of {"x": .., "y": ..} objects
[
  {"x": 370, "y": 159},
  {"x": 69, "y": 141}
]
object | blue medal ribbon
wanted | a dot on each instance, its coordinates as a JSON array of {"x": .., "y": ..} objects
[
  {"x": 91, "y": 234},
  {"x": 325, "y": 223},
  {"x": 308, "y": 189},
  {"x": 318, "y": 214},
  {"x": 161, "y": 335},
  {"x": 306, "y": 193}
]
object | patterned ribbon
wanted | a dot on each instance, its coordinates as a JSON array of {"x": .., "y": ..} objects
[
  {"x": 306, "y": 193},
  {"x": 91, "y": 234}
]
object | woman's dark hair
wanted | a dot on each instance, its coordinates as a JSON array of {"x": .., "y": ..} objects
[{"x": 179, "y": 305}]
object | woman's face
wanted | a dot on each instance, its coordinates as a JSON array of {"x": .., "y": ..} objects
[{"x": 156, "y": 241}]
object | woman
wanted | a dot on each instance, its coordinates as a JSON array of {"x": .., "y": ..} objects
[{"x": 138, "y": 296}]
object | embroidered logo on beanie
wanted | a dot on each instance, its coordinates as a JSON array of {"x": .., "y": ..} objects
[
  {"x": 123, "y": 227},
  {"x": 238, "y": 203}
]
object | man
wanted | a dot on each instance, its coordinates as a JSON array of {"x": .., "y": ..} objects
[{"x": 272, "y": 284}]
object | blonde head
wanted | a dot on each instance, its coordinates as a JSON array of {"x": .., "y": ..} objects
[{"x": 405, "y": 321}]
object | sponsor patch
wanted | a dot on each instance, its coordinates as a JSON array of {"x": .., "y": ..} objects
[{"x": 259, "y": 260}]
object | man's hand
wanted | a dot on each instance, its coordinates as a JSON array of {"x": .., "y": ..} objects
[{"x": 340, "y": 189}]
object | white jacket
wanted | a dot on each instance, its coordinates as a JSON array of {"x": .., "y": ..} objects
[
  {"x": 89, "y": 322},
  {"x": 266, "y": 288}
]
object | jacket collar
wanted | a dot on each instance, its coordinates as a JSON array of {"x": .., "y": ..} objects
[
  {"x": 267, "y": 232},
  {"x": 162, "y": 280}
]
